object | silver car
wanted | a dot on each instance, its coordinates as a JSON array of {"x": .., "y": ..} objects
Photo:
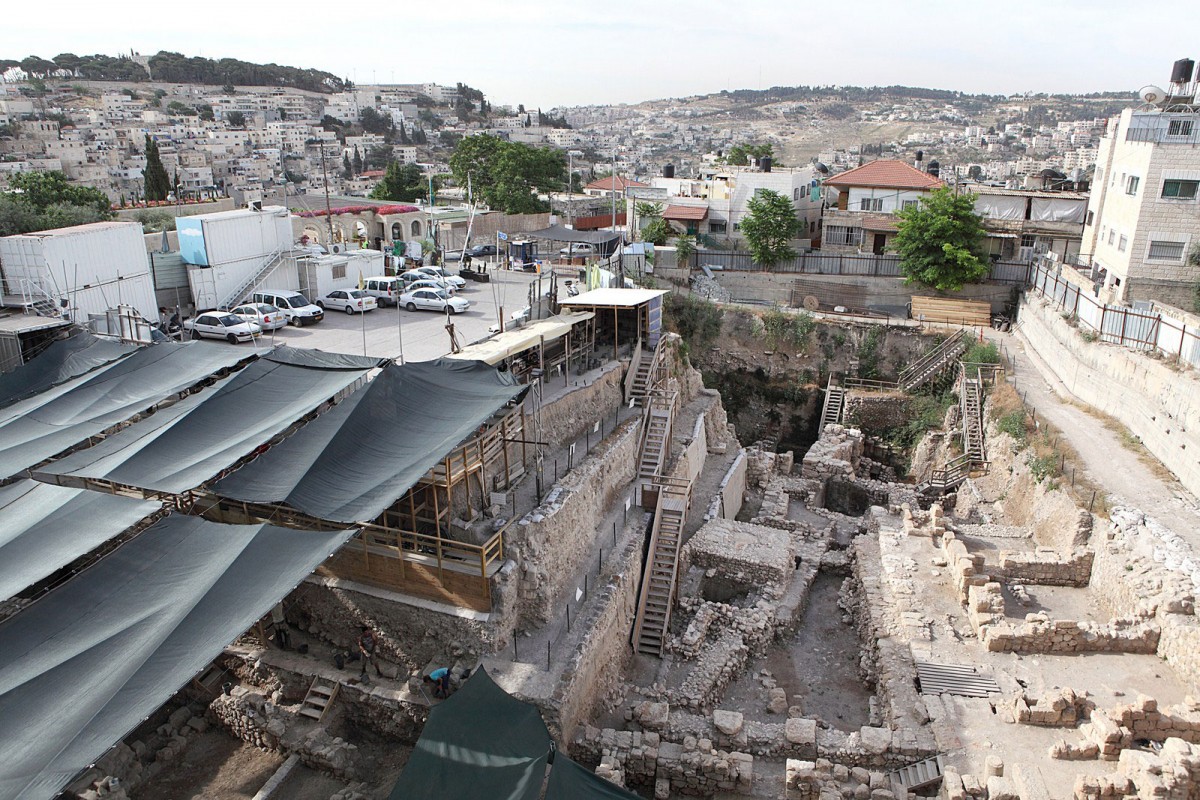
[
  {"x": 265, "y": 315},
  {"x": 433, "y": 300},
  {"x": 220, "y": 325}
]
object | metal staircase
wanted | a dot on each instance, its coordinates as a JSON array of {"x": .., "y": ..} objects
[
  {"x": 835, "y": 396},
  {"x": 920, "y": 775},
  {"x": 935, "y": 362},
  {"x": 320, "y": 697},
  {"x": 660, "y": 575},
  {"x": 236, "y": 296}
]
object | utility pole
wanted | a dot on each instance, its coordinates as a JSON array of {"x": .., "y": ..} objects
[
  {"x": 613, "y": 186},
  {"x": 325, "y": 180}
]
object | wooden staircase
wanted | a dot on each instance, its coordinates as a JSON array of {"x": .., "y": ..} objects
[
  {"x": 662, "y": 565},
  {"x": 934, "y": 363},
  {"x": 656, "y": 436},
  {"x": 831, "y": 412},
  {"x": 319, "y": 699},
  {"x": 971, "y": 407},
  {"x": 646, "y": 373}
]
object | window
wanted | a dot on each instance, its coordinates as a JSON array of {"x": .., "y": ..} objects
[
  {"x": 796, "y": 194},
  {"x": 1091, "y": 215},
  {"x": 871, "y": 204},
  {"x": 909, "y": 204},
  {"x": 716, "y": 227},
  {"x": 1131, "y": 186},
  {"x": 1166, "y": 251},
  {"x": 1179, "y": 127},
  {"x": 843, "y": 235},
  {"x": 339, "y": 271},
  {"x": 1121, "y": 245},
  {"x": 1112, "y": 236},
  {"x": 1181, "y": 190},
  {"x": 1027, "y": 240}
]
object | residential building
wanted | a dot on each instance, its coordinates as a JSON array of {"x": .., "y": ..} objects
[{"x": 1142, "y": 221}]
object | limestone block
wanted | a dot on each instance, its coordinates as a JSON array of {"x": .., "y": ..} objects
[
  {"x": 728, "y": 722},
  {"x": 875, "y": 740},
  {"x": 801, "y": 731},
  {"x": 777, "y": 702}
]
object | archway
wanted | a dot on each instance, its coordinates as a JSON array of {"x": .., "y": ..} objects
[
  {"x": 416, "y": 229},
  {"x": 314, "y": 234},
  {"x": 397, "y": 231}
]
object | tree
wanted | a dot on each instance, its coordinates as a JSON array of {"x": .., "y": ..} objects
[
  {"x": 347, "y": 169},
  {"x": 236, "y": 119},
  {"x": 685, "y": 248},
  {"x": 402, "y": 183},
  {"x": 45, "y": 200},
  {"x": 743, "y": 154},
  {"x": 157, "y": 184},
  {"x": 975, "y": 172},
  {"x": 374, "y": 122},
  {"x": 357, "y": 162},
  {"x": 508, "y": 175},
  {"x": 769, "y": 227},
  {"x": 653, "y": 227},
  {"x": 940, "y": 241}
]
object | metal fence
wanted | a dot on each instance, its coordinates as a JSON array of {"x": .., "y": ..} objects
[
  {"x": 817, "y": 263},
  {"x": 1133, "y": 328}
]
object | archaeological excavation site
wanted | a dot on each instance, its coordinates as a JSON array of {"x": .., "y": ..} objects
[{"x": 794, "y": 558}]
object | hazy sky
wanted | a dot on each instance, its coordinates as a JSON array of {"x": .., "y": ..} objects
[{"x": 568, "y": 52}]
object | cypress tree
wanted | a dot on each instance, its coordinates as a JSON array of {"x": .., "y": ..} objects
[{"x": 154, "y": 176}]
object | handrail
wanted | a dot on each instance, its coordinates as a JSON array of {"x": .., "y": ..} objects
[
  {"x": 273, "y": 260},
  {"x": 870, "y": 383},
  {"x": 932, "y": 356}
]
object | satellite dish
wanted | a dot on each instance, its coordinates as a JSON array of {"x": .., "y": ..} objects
[
  {"x": 811, "y": 303},
  {"x": 1152, "y": 95}
]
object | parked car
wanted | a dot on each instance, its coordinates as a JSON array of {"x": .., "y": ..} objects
[
  {"x": 221, "y": 325},
  {"x": 385, "y": 289},
  {"x": 417, "y": 279},
  {"x": 431, "y": 283},
  {"x": 295, "y": 306},
  {"x": 578, "y": 249},
  {"x": 452, "y": 255},
  {"x": 434, "y": 300},
  {"x": 439, "y": 274},
  {"x": 482, "y": 251},
  {"x": 349, "y": 300},
  {"x": 265, "y": 315}
]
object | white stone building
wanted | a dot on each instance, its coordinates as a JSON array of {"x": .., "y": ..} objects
[{"x": 1144, "y": 212}]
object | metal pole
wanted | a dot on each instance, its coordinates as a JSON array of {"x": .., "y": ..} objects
[
  {"x": 400, "y": 331},
  {"x": 325, "y": 178}
]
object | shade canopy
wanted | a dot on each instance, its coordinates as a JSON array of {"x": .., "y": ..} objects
[
  {"x": 356, "y": 460},
  {"x": 180, "y": 447},
  {"x": 517, "y": 340},
  {"x": 480, "y": 744},
  {"x": 44, "y": 528},
  {"x": 38, "y": 427},
  {"x": 83, "y": 666},
  {"x": 571, "y": 781},
  {"x": 557, "y": 233},
  {"x": 63, "y": 360}
]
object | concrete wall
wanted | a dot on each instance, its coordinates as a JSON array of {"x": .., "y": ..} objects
[{"x": 1158, "y": 404}]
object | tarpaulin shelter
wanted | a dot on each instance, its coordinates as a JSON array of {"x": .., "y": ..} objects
[
  {"x": 480, "y": 744},
  {"x": 61, "y": 361},
  {"x": 572, "y": 781},
  {"x": 86, "y": 664},
  {"x": 354, "y": 461},
  {"x": 180, "y": 447},
  {"x": 43, "y": 528},
  {"x": 38, "y": 427},
  {"x": 557, "y": 233}
]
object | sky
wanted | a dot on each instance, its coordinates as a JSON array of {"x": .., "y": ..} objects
[{"x": 548, "y": 54}]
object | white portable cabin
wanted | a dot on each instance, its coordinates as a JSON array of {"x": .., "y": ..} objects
[
  {"x": 84, "y": 271},
  {"x": 230, "y": 253},
  {"x": 320, "y": 275}
]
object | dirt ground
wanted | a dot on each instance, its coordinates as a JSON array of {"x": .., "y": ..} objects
[{"x": 215, "y": 766}]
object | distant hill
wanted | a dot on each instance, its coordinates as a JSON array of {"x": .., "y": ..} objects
[{"x": 177, "y": 68}]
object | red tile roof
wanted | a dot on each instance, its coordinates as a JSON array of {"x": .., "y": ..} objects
[
  {"x": 685, "y": 213},
  {"x": 607, "y": 184},
  {"x": 886, "y": 174}
]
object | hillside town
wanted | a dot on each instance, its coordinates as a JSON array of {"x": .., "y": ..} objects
[{"x": 795, "y": 443}]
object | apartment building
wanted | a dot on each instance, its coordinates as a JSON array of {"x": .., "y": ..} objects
[{"x": 1144, "y": 214}]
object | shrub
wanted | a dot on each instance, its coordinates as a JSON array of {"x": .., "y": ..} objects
[
  {"x": 982, "y": 353},
  {"x": 1013, "y": 424},
  {"x": 782, "y": 327},
  {"x": 1045, "y": 466},
  {"x": 695, "y": 319}
]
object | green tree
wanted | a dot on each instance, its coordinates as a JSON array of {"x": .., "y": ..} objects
[
  {"x": 206, "y": 112},
  {"x": 347, "y": 168},
  {"x": 940, "y": 241},
  {"x": 157, "y": 183},
  {"x": 403, "y": 183},
  {"x": 685, "y": 248},
  {"x": 357, "y": 162},
  {"x": 41, "y": 190},
  {"x": 769, "y": 227},
  {"x": 508, "y": 175},
  {"x": 236, "y": 119},
  {"x": 653, "y": 228},
  {"x": 742, "y": 154}
]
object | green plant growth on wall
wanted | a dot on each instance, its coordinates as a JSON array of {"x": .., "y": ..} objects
[
  {"x": 780, "y": 327},
  {"x": 869, "y": 355},
  {"x": 696, "y": 320}
]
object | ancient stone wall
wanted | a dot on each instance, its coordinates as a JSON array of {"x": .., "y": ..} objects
[
  {"x": 553, "y": 540},
  {"x": 1046, "y": 566},
  {"x": 728, "y": 501},
  {"x": 693, "y": 767},
  {"x": 567, "y": 414},
  {"x": 1172, "y": 773},
  {"x": 877, "y": 411}
]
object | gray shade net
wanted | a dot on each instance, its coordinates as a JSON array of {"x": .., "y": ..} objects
[
  {"x": 61, "y": 361},
  {"x": 180, "y": 447},
  {"x": 571, "y": 781},
  {"x": 34, "y": 429},
  {"x": 354, "y": 461},
  {"x": 480, "y": 744},
  {"x": 82, "y": 667},
  {"x": 557, "y": 233},
  {"x": 44, "y": 528}
]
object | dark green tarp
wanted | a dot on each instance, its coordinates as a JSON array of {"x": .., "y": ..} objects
[
  {"x": 570, "y": 781},
  {"x": 354, "y": 461},
  {"x": 63, "y": 360},
  {"x": 43, "y": 528},
  {"x": 480, "y": 744},
  {"x": 180, "y": 447},
  {"x": 83, "y": 666}
]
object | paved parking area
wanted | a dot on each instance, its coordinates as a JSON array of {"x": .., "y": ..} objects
[{"x": 423, "y": 333}]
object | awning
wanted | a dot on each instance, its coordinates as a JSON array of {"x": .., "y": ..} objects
[
  {"x": 357, "y": 459},
  {"x": 686, "y": 213},
  {"x": 499, "y": 347},
  {"x": 34, "y": 429},
  {"x": 61, "y": 361},
  {"x": 612, "y": 298},
  {"x": 480, "y": 744},
  {"x": 180, "y": 447},
  {"x": 557, "y": 233},
  {"x": 43, "y": 528},
  {"x": 86, "y": 664},
  {"x": 571, "y": 781}
]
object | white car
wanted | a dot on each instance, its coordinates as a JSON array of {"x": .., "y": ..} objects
[
  {"x": 431, "y": 283},
  {"x": 433, "y": 300},
  {"x": 415, "y": 275},
  {"x": 265, "y": 315},
  {"x": 349, "y": 300},
  {"x": 222, "y": 325},
  {"x": 578, "y": 249},
  {"x": 439, "y": 274}
]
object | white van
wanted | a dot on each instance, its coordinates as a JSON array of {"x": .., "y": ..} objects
[
  {"x": 294, "y": 305},
  {"x": 385, "y": 289}
]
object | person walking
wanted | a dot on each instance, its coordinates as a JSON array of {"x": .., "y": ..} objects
[{"x": 367, "y": 647}]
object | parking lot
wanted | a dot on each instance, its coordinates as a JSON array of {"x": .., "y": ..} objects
[{"x": 422, "y": 334}]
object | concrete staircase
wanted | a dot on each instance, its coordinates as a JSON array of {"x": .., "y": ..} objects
[
  {"x": 934, "y": 363},
  {"x": 662, "y": 566},
  {"x": 831, "y": 411},
  {"x": 319, "y": 699}
]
